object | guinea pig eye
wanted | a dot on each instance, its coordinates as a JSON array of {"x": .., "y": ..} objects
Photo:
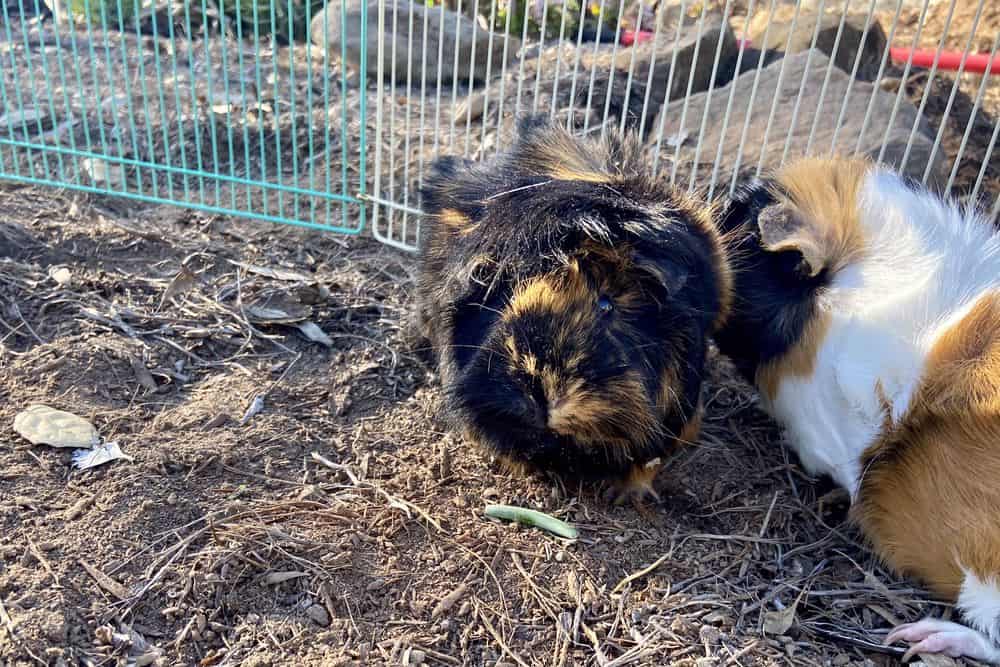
[{"x": 604, "y": 305}]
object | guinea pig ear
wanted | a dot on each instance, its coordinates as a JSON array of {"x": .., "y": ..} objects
[
  {"x": 783, "y": 228},
  {"x": 669, "y": 275}
]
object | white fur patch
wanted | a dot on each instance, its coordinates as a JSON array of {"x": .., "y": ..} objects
[
  {"x": 925, "y": 263},
  {"x": 979, "y": 601}
]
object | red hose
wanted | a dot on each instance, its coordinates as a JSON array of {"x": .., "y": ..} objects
[
  {"x": 976, "y": 63},
  {"x": 947, "y": 60}
]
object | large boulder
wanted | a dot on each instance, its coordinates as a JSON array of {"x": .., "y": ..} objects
[
  {"x": 783, "y": 36},
  {"x": 411, "y": 65},
  {"x": 813, "y": 65}
]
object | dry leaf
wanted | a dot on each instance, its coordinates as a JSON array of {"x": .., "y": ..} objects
[
  {"x": 778, "y": 622},
  {"x": 312, "y": 331},
  {"x": 279, "y": 577},
  {"x": 181, "y": 283},
  {"x": 42, "y": 425}
]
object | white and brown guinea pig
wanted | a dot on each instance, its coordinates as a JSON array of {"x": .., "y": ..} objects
[
  {"x": 568, "y": 295},
  {"x": 867, "y": 312}
]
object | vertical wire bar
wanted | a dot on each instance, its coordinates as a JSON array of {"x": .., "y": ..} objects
[
  {"x": 406, "y": 124},
  {"x": 611, "y": 74},
  {"x": 826, "y": 77},
  {"x": 48, "y": 85},
  {"x": 972, "y": 118},
  {"x": 379, "y": 112},
  {"x": 902, "y": 84},
  {"x": 344, "y": 134},
  {"x": 593, "y": 66},
  {"x": 210, "y": 100},
  {"x": 559, "y": 52},
  {"x": 576, "y": 69},
  {"x": 729, "y": 105},
  {"x": 84, "y": 109},
  {"x": 802, "y": 85},
  {"x": 454, "y": 76},
  {"x": 133, "y": 130},
  {"x": 243, "y": 95},
  {"x": 279, "y": 168},
  {"x": 260, "y": 92},
  {"x": 440, "y": 75},
  {"x": 511, "y": 5},
  {"x": 363, "y": 111},
  {"x": 649, "y": 75},
  {"x": 97, "y": 87},
  {"x": 6, "y": 100},
  {"x": 777, "y": 93},
  {"x": 392, "y": 115},
  {"x": 631, "y": 73},
  {"x": 194, "y": 106},
  {"x": 854, "y": 73},
  {"x": 31, "y": 83},
  {"x": 670, "y": 83},
  {"x": 687, "y": 94},
  {"x": 974, "y": 197},
  {"x": 541, "y": 50},
  {"x": 951, "y": 97},
  {"x": 472, "y": 75},
  {"x": 162, "y": 105},
  {"x": 112, "y": 97},
  {"x": 225, "y": 37},
  {"x": 65, "y": 95},
  {"x": 951, "y": 100},
  {"x": 522, "y": 58},
  {"x": 486, "y": 81},
  {"x": 148, "y": 117},
  {"x": 311, "y": 109},
  {"x": 423, "y": 97},
  {"x": 928, "y": 85},
  {"x": 708, "y": 96},
  {"x": 750, "y": 105},
  {"x": 877, "y": 84}
]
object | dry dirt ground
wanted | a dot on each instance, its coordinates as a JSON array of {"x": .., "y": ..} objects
[{"x": 340, "y": 524}]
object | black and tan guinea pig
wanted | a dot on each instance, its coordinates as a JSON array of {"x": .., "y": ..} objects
[
  {"x": 567, "y": 295},
  {"x": 867, "y": 312}
]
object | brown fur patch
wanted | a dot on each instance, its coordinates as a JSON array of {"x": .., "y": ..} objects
[
  {"x": 563, "y": 158},
  {"x": 692, "y": 429},
  {"x": 929, "y": 495},
  {"x": 456, "y": 221},
  {"x": 817, "y": 212},
  {"x": 798, "y": 361},
  {"x": 586, "y": 415}
]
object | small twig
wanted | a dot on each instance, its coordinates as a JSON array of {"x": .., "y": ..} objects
[
  {"x": 36, "y": 552},
  {"x": 641, "y": 573},
  {"x": 496, "y": 635}
]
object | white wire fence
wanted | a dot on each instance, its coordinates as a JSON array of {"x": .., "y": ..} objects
[{"x": 719, "y": 91}]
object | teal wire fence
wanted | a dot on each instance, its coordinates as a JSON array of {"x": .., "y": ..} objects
[{"x": 221, "y": 107}]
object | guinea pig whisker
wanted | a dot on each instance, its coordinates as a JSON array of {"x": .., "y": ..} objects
[{"x": 519, "y": 189}]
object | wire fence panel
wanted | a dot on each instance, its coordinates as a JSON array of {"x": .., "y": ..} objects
[
  {"x": 330, "y": 114},
  {"x": 226, "y": 108},
  {"x": 719, "y": 90}
]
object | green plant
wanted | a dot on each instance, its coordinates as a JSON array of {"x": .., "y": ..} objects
[
  {"x": 287, "y": 20},
  {"x": 111, "y": 14}
]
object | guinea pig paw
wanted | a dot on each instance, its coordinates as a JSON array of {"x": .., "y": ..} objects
[
  {"x": 932, "y": 635},
  {"x": 637, "y": 486}
]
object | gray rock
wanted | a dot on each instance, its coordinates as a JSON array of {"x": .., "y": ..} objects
[
  {"x": 695, "y": 57},
  {"x": 410, "y": 61},
  {"x": 826, "y": 110},
  {"x": 801, "y": 36}
]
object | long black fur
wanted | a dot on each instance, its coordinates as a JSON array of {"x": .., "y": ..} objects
[{"x": 524, "y": 223}]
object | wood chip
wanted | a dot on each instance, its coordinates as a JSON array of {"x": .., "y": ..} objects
[{"x": 105, "y": 582}]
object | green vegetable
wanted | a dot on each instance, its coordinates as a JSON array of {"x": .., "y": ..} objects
[{"x": 532, "y": 518}]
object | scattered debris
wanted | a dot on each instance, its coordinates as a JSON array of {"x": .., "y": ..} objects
[
  {"x": 104, "y": 453},
  {"x": 312, "y": 331}
]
